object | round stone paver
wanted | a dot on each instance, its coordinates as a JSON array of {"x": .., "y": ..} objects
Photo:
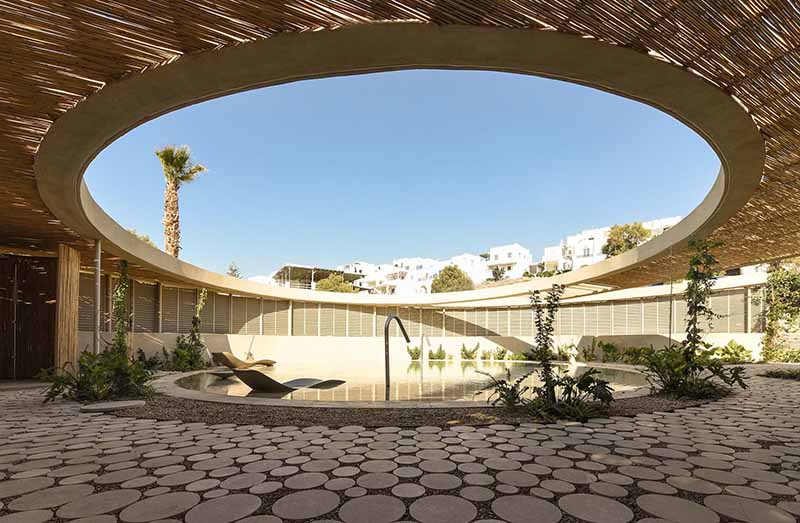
[
  {"x": 159, "y": 507},
  {"x": 525, "y": 509},
  {"x": 17, "y": 487},
  {"x": 698, "y": 486},
  {"x": 748, "y": 510},
  {"x": 372, "y": 509},
  {"x": 440, "y": 481},
  {"x": 100, "y": 503},
  {"x": 31, "y": 516},
  {"x": 224, "y": 509},
  {"x": 305, "y": 504},
  {"x": 502, "y": 464},
  {"x": 476, "y": 493},
  {"x": 109, "y": 406},
  {"x": 676, "y": 509},
  {"x": 407, "y": 490},
  {"x": 50, "y": 497},
  {"x": 578, "y": 477},
  {"x": 443, "y": 509},
  {"x": 378, "y": 480},
  {"x": 516, "y": 478},
  {"x": 303, "y": 481},
  {"x": 747, "y": 492},
  {"x": 181, "y": 478},
  {"x": 244, "y": 481},
  {"x": 608, "y": 489},
  {"x": 595, "y": 509}
]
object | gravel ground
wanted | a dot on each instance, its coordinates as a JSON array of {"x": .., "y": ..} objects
[{"x": 170, "y": 408}]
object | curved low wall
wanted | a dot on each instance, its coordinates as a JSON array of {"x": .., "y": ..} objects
[{"x": 284, "y": 330}]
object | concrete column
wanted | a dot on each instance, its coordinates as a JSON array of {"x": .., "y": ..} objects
[
  {"x": 67, "y": 302},
  {"x": 748, "y": 309},
  {"x": 98, "y": 275}
]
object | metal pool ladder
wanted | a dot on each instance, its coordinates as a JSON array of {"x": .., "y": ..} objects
[{"x": 386, "y": 348}]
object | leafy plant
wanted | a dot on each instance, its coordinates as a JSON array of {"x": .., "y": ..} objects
[
  {"x": 636, "y": 355},
  {"x": 469, "y": 354},
  {"x": 335, "y": 283},
  {"x": 563, "y": 352},
  {"x": 188, "y": 353},
  {"x": 544, "y": 316},
  {"x": 579, "y": 398},
  {"x": 669, "y": 371},
  {"x": 509, "y": 394},
  {"x": 499, "y": 353},
  {"x": 623, "y": 238},
  {"x": 414, "y": 352},
  {"x": 452, "y": 279},
  {"x": 151, "y": 363},
  {"x": 178, "y": 168},
  {"x": 733, "y": 352},
  {"x": 588, "y": 351},
  {"x": 688, "y": 369},
  {"x": 438, "y": 354},
  {"x": 110, "y": 374},
  {"x": 609, "y": 353},
  {"x": 784, "y": 374},
  {"x": 562, "y": 397},
  {"x": 486, "y": 355},
  {"x": 782, "y": 297},
  {"x": 520, "y": 356}
]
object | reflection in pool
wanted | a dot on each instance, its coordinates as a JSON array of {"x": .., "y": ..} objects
[{"x": 429, "y": 381}]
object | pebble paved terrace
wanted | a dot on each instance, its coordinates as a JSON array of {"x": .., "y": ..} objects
[{"x": 737, "y": 459}]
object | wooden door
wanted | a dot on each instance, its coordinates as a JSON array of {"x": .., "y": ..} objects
[{"x": 27, "y": 320}]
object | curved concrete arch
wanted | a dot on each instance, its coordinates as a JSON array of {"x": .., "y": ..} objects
[{"x": 77, "y": 137}]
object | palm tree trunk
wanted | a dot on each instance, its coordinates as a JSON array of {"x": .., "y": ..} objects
[{"x": 171, "y": 222}]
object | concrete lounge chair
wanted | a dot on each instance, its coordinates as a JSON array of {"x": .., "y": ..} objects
[
  {"x": 232, "y": 362},
  {"x": 257, "y": 380}
]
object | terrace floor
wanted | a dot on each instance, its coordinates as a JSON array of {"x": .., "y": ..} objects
[{"x": 737, "y": 459}]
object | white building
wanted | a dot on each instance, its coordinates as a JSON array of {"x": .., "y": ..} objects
[
  {"x": 514, "y": 260},
  {"x": 415, "y": 275},
  {"x": 586, "y": 247}
]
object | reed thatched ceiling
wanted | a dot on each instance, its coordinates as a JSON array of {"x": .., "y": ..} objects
[{"x": 53, "y": 54}]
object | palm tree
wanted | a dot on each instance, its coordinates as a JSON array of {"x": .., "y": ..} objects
[{"x": 178, "y": 169}]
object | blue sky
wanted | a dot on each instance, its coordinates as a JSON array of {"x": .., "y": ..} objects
[{"x": 412, "y": 163}]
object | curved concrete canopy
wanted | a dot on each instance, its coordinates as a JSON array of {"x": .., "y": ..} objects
[{"x": 76, "y": 137}]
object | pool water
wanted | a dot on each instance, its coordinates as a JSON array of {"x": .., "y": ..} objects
[{"x": 429, "y": 381}]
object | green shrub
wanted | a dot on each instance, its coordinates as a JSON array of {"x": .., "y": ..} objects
[
  {"x": 690, "y": 369},
  {"x": 563, "y": 352},
  {"x": 414, "y": 352},
  {"x": 111, "y": 374},
  {"x": 152, "y": 363},
  {"x": 438, "y": 354},
  {"x": 733, "y": 352},
  {"x": 188, "y": 353},
  {"x": 509, "y": 394},
  {"x": 486, "y": 355},
  {"x": 636, "y": 355},
  {"x": 577, "y": 398},
  {"x": 784, "y": 374},
  {"x": 520, "y": 356},
  {"x": 588, "y": 351},
  {"x": 609, "y": 353},
  {"x": 670, "y": 372},
  {"x": 781, "y": 353},
  {"x": 469, "y": 354},
  {"x": 499, "y": 353}
]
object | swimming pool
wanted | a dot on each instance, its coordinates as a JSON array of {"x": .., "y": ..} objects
[{"x": 430, "y": 381}]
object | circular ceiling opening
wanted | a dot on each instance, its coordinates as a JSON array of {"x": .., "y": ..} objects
[{"x": 427, "y": 163}]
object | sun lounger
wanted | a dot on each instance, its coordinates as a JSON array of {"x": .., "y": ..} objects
[
  {"x": 232, "y": 362},
  {"x": 261, "y": 382}
]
